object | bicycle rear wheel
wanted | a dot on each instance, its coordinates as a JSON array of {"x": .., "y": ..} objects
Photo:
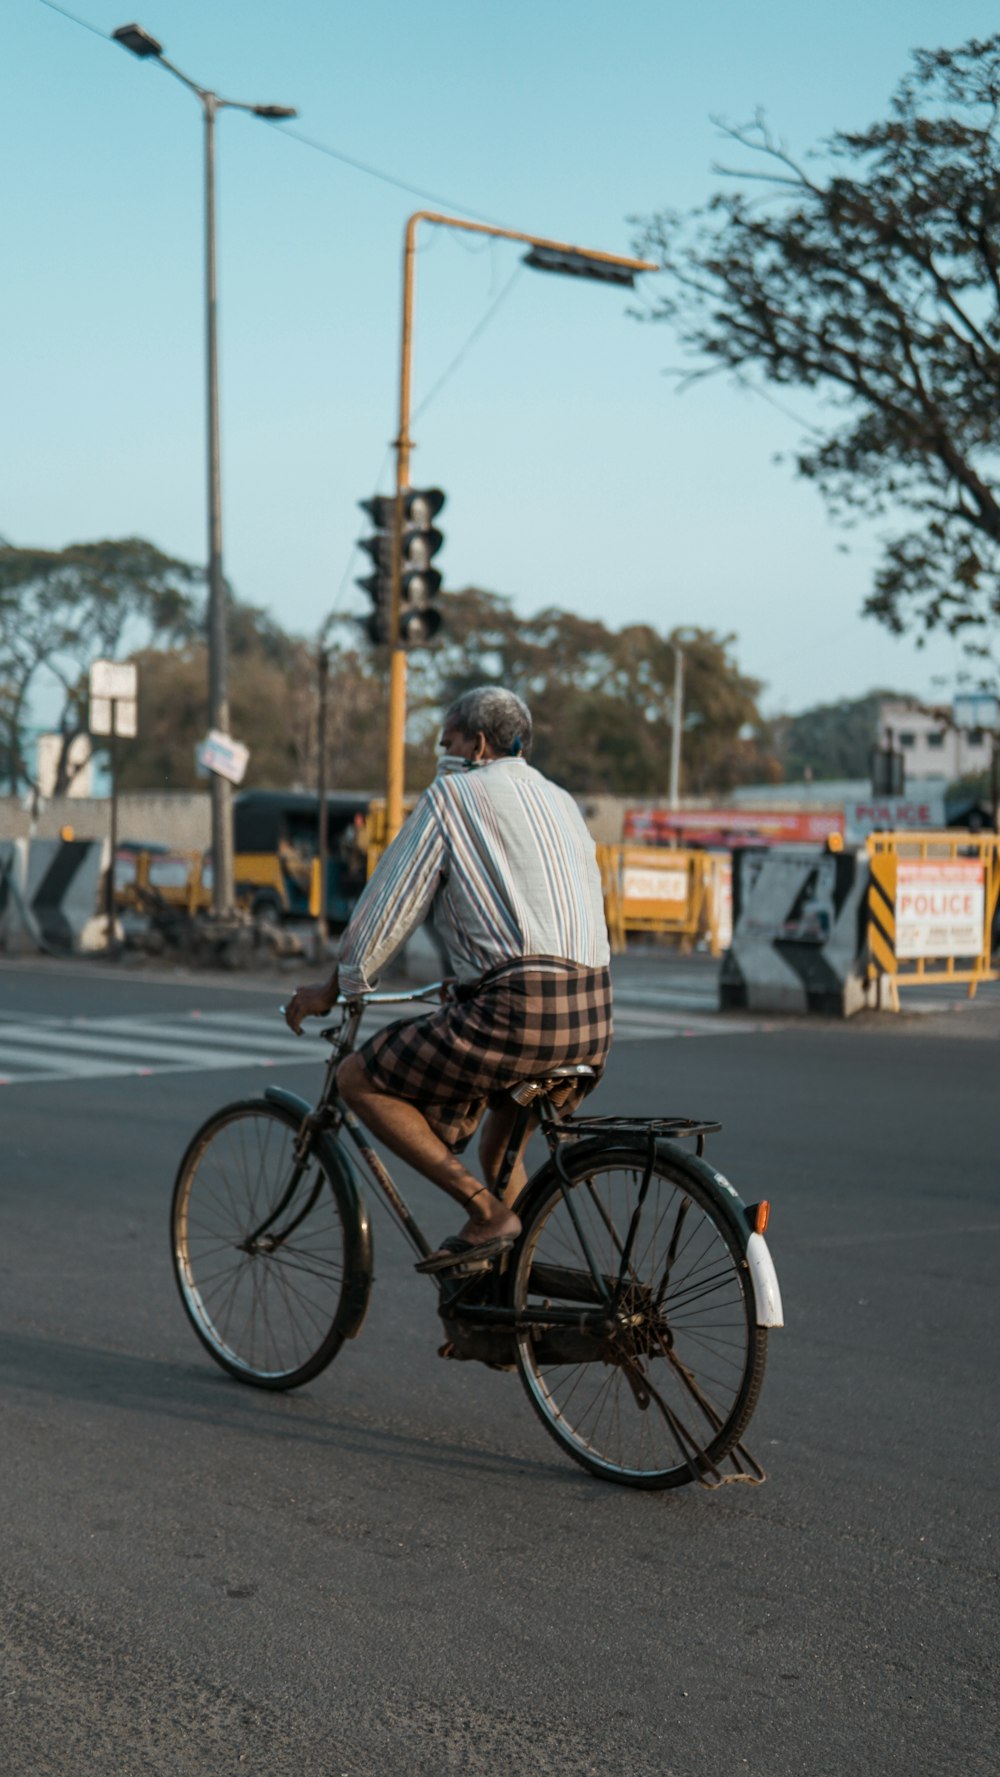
[
  {"x": 662, "y": 1397},
  {"x": 261, "y": 1248}
]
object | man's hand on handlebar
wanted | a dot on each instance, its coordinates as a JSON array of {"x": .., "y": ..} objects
[{"x": 313, "y": 1001}]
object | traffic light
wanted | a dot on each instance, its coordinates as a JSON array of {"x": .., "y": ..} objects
[
  {"x": 381, "y": 510},
  {"x": 420, "y": 581},
  {"x": 419, "y": 618}
]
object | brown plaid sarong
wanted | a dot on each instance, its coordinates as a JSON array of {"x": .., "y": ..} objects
[{"x": 520, "y": 1019}]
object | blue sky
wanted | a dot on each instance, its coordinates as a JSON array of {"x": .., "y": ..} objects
[{"x": 575, "y": 474}]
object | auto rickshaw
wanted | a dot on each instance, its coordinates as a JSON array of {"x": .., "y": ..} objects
[{"x": 276, "y": 846}]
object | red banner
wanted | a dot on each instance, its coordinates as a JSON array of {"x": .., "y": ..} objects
[{"x": 727, "y": 829}]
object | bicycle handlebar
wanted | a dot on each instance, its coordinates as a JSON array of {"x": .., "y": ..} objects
[{"x": 435, "y": 990}]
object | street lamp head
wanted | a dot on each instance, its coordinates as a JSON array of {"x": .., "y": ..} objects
[
  {"x": 140, "y": 42},
  {"x": 581, "y": 265},
  {"x": 275, "y": 112}
]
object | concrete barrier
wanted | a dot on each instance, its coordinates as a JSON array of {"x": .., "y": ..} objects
[
  {"x": 799, "y": 929},
  {"x": 49, "y": 893}
]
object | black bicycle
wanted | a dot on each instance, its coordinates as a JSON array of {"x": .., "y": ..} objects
[{"x": 635, "y": 1303}]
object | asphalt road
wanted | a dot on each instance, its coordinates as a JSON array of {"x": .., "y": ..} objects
[{"x": 395, "y": 1570}]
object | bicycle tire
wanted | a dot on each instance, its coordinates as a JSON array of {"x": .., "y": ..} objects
[
  {"x": 276, "y": 1316},
  {"x": 697, "y": 1355}
]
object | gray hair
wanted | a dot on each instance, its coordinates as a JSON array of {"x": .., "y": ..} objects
[{"x": 497, "y": 714}]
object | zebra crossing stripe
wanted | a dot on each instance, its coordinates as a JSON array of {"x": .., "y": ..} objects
[{"x": 28, "y": 1037}]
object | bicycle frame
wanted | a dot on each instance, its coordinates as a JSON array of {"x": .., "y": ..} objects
[{"x": 331, "y": 1115}]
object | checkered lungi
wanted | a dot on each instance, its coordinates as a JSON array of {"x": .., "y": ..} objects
[{"x": 520, "y": 1019}]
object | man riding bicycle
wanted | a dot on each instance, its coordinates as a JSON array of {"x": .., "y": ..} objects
[{"x": 501, "y": 859}]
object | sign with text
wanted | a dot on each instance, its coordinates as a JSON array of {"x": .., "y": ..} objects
[
  {"x": 727, "y": 829},
  {"x": 654, "y": 885},
  {"x": 114, "y": 715},
  {"x": 887, "y": 814},
  {"x": 976, "y": 709},
  {"x": 114, "y": 679},
  {"x": 224, "y": 756},
  {"x": 940, "y": 907}
]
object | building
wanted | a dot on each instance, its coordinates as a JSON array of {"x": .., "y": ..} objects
[
  {"x": 930, "y": 744},
  {"x": 49, "y": 750}
]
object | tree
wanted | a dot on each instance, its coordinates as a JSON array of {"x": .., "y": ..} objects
[
  {"x": 61, "y": 609},
  {"x": 877, "y": 283},
  {"x": 273, "y": 684},
  {"x": 601, "y": 698}
]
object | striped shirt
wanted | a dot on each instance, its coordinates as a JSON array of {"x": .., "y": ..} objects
[{"x": 501, "y": 859}]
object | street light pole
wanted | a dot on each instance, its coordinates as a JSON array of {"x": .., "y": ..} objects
[
  {"x": 142, "y": 44},
  {"x": 218, "y": 674},
  {"x": 676, "y": 727},
  {"x": 544, "y": 255},
  {"x": 323, "y": 834}
]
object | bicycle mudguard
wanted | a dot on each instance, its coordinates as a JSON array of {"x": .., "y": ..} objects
[
  {"x": 359, "y": 1269},
  {"x": 763, "y": 1278}
]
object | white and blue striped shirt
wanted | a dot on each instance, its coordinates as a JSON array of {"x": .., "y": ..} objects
[{"x": 502, "y": 860}]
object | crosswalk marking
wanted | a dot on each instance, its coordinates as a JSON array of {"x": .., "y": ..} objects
[{"x": 39, "y": 1050}]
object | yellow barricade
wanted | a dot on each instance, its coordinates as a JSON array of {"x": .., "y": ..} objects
[
  {"x": 664, "y": 892},
  {"x": 164, "y": 879},
  {"x": 932, "y": 899}
]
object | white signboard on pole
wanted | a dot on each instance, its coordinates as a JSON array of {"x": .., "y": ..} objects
[
  {"x": 114, "y": 679},
  {"x": 940, "y": 907},
  {"x": 100, "y": 715},
  {"x": 225, "y": 756}
]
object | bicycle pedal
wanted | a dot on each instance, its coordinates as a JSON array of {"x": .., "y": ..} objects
[{"x": 470, "y": 1268}]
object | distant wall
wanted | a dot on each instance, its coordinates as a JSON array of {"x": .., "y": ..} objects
[{"x": 181, "y": 819}]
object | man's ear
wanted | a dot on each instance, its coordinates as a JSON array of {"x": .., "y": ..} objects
[{"x": 480, "y": 749}]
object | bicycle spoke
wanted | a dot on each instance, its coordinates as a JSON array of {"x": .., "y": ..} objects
[
  {"x": 267, "y": 1313},
  {"x": 669, "y": 1392}
]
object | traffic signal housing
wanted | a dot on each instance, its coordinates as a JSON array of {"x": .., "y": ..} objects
[
  {"x": 378, "y": 585},
  {"x": 420, "y": 580},
  {"x": 419, "y": 617}
]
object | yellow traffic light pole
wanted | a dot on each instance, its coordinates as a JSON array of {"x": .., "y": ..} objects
[{"x": 403, "y": 448}]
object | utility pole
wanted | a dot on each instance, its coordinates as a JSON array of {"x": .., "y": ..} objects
[
  {"x": 676, "y": 726},
  {"x": 140, "y": 43},
  {"x": 323, "y": 846}
]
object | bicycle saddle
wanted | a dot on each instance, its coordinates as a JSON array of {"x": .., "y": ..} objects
[{"x": 526, "y": 1090}]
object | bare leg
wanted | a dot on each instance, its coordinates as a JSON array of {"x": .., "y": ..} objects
[
  {"x": 406, "y": 1132},
  {"x": 496, "y": 1133}
]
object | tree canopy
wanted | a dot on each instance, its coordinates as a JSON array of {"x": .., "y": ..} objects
[
  {"x": 876, "y": 282},
  {"x": 601, "y": 700},
  {"x": 62, "y": 609}
]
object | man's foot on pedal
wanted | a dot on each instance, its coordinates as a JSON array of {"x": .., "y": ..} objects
[{"x": 484, "y": 1237}]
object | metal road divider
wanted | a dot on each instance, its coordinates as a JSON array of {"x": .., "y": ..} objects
[
  {"x": 932, "y": 900},
  {"x": 665, "y": 892}
]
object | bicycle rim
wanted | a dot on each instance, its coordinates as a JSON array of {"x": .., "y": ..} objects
[
  {"x": 266, "y": 1309},
  {"x": 660, "y": 1399}
]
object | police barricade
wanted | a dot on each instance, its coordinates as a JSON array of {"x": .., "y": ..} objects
[
  {"x": 932, "y": 903},
  {"x": 665, "y": 892},
  {"x": 799, "y": 921}
]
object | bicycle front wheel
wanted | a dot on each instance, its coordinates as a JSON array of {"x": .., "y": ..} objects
[
  {"x": 260, "y": 1246},
  {"x": 663, "y": 1395}
]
